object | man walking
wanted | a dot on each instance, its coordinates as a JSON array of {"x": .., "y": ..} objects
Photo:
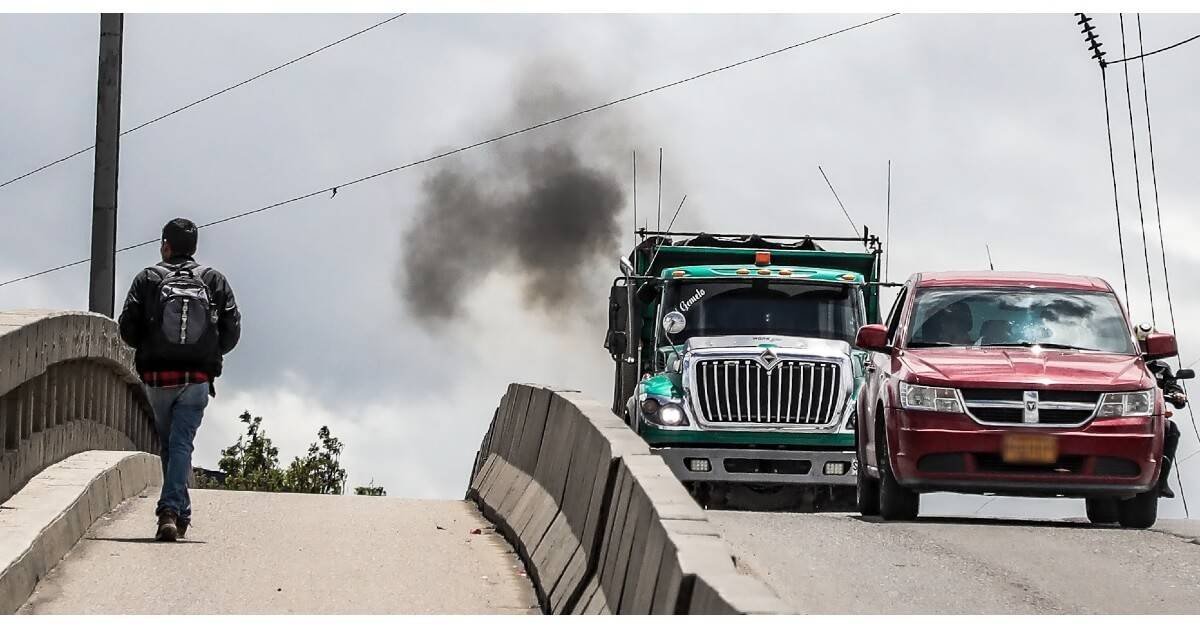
[{"x": 182, "y": 319}]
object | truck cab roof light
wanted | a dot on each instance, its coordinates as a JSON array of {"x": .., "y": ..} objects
[
  {"x": 848, "y": 276},
  {"x": 764, "y": 272},
  {"x": 678, "y": 273},
  {"x": 762, "y": 258},
  {"x": 743, "y": 272},
  {"x": 785, "y": 272}
]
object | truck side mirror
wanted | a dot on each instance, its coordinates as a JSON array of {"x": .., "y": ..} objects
[
  {"x": 1160, "y": 345},
  {"x": 1185, "y": 374},
  {"x": 872, "y": 337},
  {"x": 616, "y": 343}
]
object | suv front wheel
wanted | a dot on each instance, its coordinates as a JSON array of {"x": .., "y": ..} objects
[{"x": 896, "y": 503}]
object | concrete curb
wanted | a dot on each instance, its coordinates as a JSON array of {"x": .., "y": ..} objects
[
  {"x": 42, "y": 522},
  {"x": 602, "y": 525}
]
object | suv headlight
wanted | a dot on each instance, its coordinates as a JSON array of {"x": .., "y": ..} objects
[
  {"x": 923, "y": 398},
  {"x": 1123, "y": 404}
]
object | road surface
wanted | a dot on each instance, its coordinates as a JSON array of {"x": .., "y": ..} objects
[
  {"x": 250, "y": 552},
  {"x": 840, "y": 563}
]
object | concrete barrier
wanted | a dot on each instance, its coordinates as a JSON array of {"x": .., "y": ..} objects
[
  {"x": 67, "y": 385},
  {"x": 43, "y": 521},
  {"x": 602, "y": 524}
]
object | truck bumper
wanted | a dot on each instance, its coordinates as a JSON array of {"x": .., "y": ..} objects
[
  {"x": 822, "y": 468},
  {"x": 1116, "y": 457}
]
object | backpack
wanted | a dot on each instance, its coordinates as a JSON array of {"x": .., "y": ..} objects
[{"x": 183, "y": 328}]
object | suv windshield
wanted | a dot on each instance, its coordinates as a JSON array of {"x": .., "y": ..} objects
[
  {"x": 1051, "y": 318},
  {"x": 764, "y": 307}
]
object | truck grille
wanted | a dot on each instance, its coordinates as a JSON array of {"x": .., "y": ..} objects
[{"x": 742, "y": 391}]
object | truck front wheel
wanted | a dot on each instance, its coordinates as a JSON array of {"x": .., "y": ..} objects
[
  {"x": 896, "y": 503},
  {"x": 1140, "y": 512}
]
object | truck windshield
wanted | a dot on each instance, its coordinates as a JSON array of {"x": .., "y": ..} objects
[
  {"x": 1050, "y": 318},
  {"x": 765, "y": 307}
]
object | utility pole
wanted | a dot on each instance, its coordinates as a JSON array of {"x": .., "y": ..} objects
[{"x": 104, "y": 188}]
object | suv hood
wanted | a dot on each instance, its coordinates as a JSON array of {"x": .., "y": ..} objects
[{"x": 1026, "y": 368}]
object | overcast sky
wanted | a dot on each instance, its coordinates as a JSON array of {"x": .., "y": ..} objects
[{"x": 994, "y": 124}]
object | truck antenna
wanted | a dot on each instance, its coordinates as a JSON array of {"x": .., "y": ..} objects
[
  {"x": 887, "y": 228},
  {"x": 989, "y": 254},
  {"x": 635, "y": 242},
  {"x": 853, "y": 225},
  {"x": 660, "y": 188},
  {"x": 669, "y": 225}
]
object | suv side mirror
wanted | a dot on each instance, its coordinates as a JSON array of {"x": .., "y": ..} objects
[
  {"x": 872, "y": 337},
  {"x": 1160, "y": 346},
  {"x": 1185, "y": 374}
]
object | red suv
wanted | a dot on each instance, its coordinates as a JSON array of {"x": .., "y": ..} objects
[{"x": 1010, "y": 383}]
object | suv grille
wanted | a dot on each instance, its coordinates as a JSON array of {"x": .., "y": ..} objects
[
  {"x": 742, "y": 391},
  {"x": 1054, "y": 407}
]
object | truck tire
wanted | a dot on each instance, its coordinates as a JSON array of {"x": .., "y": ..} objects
[
  {"x": 1140, "y": 512},
  {"x": 896, "y": 503},
  {"x": 866, "y": 495},
  {"x": 1102, "y": 510}
]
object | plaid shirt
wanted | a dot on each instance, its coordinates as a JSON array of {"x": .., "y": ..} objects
[{"x": 173, "y": 378}]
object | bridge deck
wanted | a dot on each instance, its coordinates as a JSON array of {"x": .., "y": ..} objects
[
  {"x": 250, "y": 552},
  {"x": 841, "y": 564}
]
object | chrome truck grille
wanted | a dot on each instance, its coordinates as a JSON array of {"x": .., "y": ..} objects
[{"x": 741, "y": 391}]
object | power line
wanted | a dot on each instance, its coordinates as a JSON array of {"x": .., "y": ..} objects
[
  {"x": 1112, "y": 161},
  {"x": 206, "y": 98},
  {"x": 1155, "y": 52},
  {"x": 1158, "y": 215},
  {"x": 1137, "y": 178},
  {"x": 485, "y": 142},
  {"x": 853, "y": 225}
]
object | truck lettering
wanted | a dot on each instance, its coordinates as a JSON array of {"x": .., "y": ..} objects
[{"x": 686, "y": 304}]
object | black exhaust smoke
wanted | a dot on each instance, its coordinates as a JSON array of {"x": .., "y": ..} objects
[{"x": 537, "y": 208}]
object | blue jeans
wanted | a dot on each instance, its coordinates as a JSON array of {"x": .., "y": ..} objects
[{"x": 177, "y": 413}]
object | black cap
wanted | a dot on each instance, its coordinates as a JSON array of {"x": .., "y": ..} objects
[{"x": 180, "y": 234}]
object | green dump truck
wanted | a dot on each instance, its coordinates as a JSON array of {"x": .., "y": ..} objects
[{"x": 734, "y": 360}]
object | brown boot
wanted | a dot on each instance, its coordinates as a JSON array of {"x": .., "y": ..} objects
[
  {"x": 181, "y": 526},
  {"x": 167, "y": 529}
]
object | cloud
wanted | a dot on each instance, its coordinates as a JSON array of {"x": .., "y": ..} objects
[{"x": 994, "y": 124}]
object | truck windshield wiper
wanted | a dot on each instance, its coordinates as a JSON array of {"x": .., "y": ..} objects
[
  {"x": 932, "y": 344},
  {"x": 1030, "y": 344}
]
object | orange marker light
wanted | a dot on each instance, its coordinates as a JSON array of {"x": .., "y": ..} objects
[
  {"x": 785, "y": 272},
  {"x": 678, "y": 273},
  {"x": 743, "y": 272},
  {"x": 764, "y": 272},
  {"x": 762, "y": 258}
]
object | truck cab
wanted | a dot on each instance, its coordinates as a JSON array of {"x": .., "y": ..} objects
[{"x": 734, "y": 358}]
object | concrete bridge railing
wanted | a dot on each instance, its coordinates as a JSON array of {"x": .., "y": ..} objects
[
  {"x": 602, "y": 525},
  {"x": 67, "y": 385}
]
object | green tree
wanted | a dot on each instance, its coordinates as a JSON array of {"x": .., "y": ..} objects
[
  {"x": 318, "y": 471},
  {"x": 252, "y": 463},
  {"x": 370, "y": 490}
]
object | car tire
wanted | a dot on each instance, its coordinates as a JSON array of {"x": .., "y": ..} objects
[
  {"x": 896, "y": 503},
  {"x": 1140, "y": 512},
  {"x": 866, "y": 495},
  {"x": 1102, "y": 510}
]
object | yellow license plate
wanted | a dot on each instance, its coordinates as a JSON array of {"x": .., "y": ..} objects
[{"x": 1029, "y": 448}]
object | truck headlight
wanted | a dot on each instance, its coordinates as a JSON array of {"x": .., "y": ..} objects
[
  {"x": 921, "y": 398},
  {"x": 671, "y": 415},
  {"x": 1123, "y": 404}
]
